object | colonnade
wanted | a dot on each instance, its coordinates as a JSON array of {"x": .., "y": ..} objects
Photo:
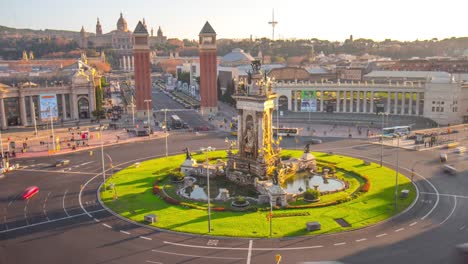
[{"x": 127, "y": 63}]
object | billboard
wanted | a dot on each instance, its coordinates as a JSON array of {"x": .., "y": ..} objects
[
  {"x": 48, "y": 106},
  {"x": 309, "y": 101}
]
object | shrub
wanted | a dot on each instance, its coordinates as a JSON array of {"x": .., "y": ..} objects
[
  {"x": 177, "y": 176},
  {"x": 156, "y": 190},
  {"x": 240, "y": 200},
  {"x": 366, "y": 186},
  {"x": 311, "y": 194},
  {"x": 170, "y": 200},
  {"x": 278, "y": 215},
  {"x": 219, "y": 209}
]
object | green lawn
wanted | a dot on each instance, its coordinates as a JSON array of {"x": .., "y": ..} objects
[{"x": 135, "y": 199}]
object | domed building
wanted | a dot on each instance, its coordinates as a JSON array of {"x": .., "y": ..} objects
[
  {"x": 236, "y": 58},
  {"x": 120, "y": 40},
  {"x": 122, "y": 24}
]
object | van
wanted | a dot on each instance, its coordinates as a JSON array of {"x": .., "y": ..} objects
[{"x": 449, "y": 169}]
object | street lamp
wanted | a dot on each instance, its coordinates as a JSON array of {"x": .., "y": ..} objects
[
  {"x": 101, "y": 127},
  {"x": 1, "y": 149},
  {"x": 381, "y": 137},
  {"x": 147, "y": 101},
  {"x": 133, "y": 111},
  {"x": 206, "y": 150},
  {"x": 398, "y": 135}
]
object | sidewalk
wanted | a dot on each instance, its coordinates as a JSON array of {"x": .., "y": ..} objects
[{"x": 67, "y": 145}]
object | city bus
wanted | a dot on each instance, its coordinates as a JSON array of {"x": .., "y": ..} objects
[
  {"x": 285, "y": 132},
  {"x": 176, "y": 122},
  {"x": 391, "y": 131}
]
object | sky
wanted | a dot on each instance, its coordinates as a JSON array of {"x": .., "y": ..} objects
[{"x": 322, "y": 19}]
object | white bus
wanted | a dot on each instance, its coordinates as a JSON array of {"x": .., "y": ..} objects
[
  {"x": 176, "y": 123},
  {"x": 285, "y": 132},
  {"x": 392, "y": 131}
]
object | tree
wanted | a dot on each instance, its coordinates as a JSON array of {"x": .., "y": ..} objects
[{"x": 184, "y": 77}]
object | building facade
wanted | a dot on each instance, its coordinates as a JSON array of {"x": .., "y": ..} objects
[
  {"x": 120, "y": 40},
  {"x": 74, "y": 87},
  {"x": 444, "y": 100}
]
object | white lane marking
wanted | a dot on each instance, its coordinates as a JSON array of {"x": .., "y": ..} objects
[
  {"x": 381, "y": 235},
  {"x": 44, "y": 206},
  {"x": 360, "y": 240},
  {"x": 124, "y": 232},
  {"x": 51, "y": 221},
  {"x": 340, "y": 244},
  {"x": 249, "y": 254},
  {"x": 192, "y": 256},
  {"x": 106, "y": 225},
  {"x": 61, "y": 172},
  {"x": 451, "y": 213},
  {"x": 399, "y": 229},
  {"x": 63, "y": 202},
  {"x": 25, "y": 212},
  {"x": 229, "y": 248},
  {"x": 154, "y": 262},
  {"x": 86, "y": 163},
  {"x": 97, "y": 220},
  {"x": 146, "y": 238},
  {"x": 463, "y": 227},
  {"x": 412, "y": 224},
  {"x": 446, "y": 194}
]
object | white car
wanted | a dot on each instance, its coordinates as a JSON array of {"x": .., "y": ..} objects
[{"x": 460, "y": 150}]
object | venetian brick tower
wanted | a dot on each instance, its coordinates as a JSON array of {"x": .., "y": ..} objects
[
  {"x": 141, "y": 54},
  {"x": 208, "y": 70}
]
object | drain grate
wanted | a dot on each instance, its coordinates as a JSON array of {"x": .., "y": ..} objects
[{"x": 342, "y": 222}]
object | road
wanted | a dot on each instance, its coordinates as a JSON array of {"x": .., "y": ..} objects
[{"x": 65, "y": 223}]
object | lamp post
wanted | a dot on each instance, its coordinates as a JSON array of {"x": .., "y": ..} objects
[
  {"x": 101, "y": 127},
  {"x": 165, "y": 127},
  {"x": 381, "y": 137},
  {"x": 271, "y": 216},
  {"x": 1, "y": 149},
  {"x": 133, "y": 112},
  {"x": 34, "y": 119},
  {"x": 206, "y": 150},
  {"x": 147, "y": 101},
  {"x": 52, "y": 128},
  {"x": 397, "y": 169}
]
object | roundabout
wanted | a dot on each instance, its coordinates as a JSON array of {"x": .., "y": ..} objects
[
  {"x": 147, "y": 188},
  {"x": 75, "y": 216}
]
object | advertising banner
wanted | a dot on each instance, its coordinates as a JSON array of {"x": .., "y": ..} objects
[
  {"x": 48, "y": 106},
  {"x": 309, "y": 101}
]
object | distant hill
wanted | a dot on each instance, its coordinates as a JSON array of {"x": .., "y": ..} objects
[{"x": 8, "y": 31}]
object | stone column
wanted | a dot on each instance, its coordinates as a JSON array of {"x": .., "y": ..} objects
[
  {"x": 91, "y": 99},
  {"x": 293, "y": 101},
  {"x": 2, "y": 114},
  {"x": 321, "y": 100},
  {"x": 417, "y": 104},
  {"x": 364, "y": 102},
  {"x": 22, "y": 104},
  {"x": 344, "y": 101},
  {"x": 239, "y": 128},
  {"x": 403, "y": 100},
  {"x": 31, "y": 108},
  {"x": 338, "y": 101},
  {"x": 125, "y": 66},
  {"x": 351, "y": 101},
  {"x": 358, "y": 103},
  {"x": 371, "y": 102},
  {"x": 133, "y": 63},
  {"x": 389, "y": 94},
  {"x": 410, "y": 104},
  {"x": 74, "y": 106},
  {"x": 64, "y": 107}
]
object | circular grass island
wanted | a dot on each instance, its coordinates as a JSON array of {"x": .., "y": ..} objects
[{"x": 148, "y": 188}]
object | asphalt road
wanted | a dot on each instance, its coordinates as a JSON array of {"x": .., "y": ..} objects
[{"x": 64, "y": 222}]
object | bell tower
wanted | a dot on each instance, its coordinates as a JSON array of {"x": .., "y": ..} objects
[
  {"x": 208, "y": 70},
  {"x": 141, "y": 54}
]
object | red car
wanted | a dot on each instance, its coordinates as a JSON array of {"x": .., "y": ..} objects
[{"x": 30, "y": 192}]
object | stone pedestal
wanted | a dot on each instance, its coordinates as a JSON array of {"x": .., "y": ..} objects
[{"x": 188, "y": 166}]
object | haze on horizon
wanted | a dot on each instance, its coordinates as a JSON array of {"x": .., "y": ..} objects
[{"x": 300, "y": 19}]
